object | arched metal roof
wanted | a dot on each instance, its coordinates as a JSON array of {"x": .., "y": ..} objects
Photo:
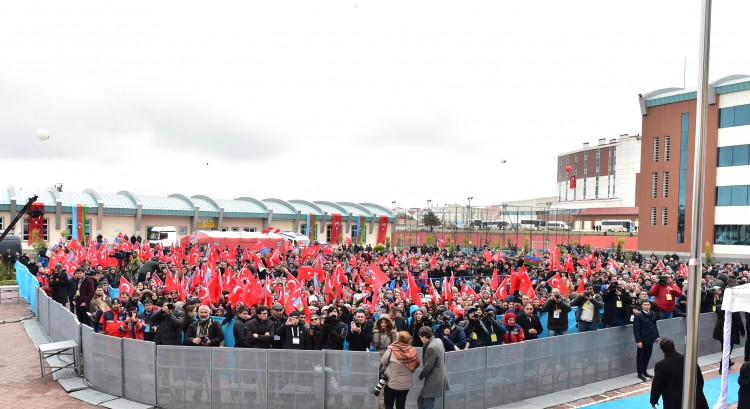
[
  {"x": 259, "y": 206},
  {"x": 241, "y": 208},
  {"x": 307, "y": 206},
  {"x": 378, "y": 209},
  {"x": 281, "y": 209},
  {"x": 5, "y": 200},
  {"x": 44, "y": 196},
  {"x": 355, "y": 209},
  {"x": 331, "y": 208},
  {"x": 206, "y": 203},
  {"x": 167, "y": 206},
  {"x": 76, "y": 198}
]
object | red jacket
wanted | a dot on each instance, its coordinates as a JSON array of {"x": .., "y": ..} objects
[
  {"x": 514, "y": 334},
  {"x": 665, "y": 296},
  {"x": 114, "y": 324}
]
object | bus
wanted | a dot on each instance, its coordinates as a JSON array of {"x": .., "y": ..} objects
[
  {"x": 531, "y": 224},
  {"x": 617, "y": 225},
  {"x": 496, "y": 225}
]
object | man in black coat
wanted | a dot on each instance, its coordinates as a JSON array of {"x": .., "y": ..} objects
[
  {"x": 616, "y": 305},
  {"x": 333, "y": 333},
  {"x": 646, "y": 334},
  {"x": 170, "y": 327},
  {"x": 204, "y": 332},
  {"x": 292, "y": 333},
  {"x": 530, "y": 322},
  {"x": 668, "y": 375},
  {"x": 58, "y": 281},
  {"x": 744, "y": 381},
  {"x": 260, "y": 329},
  {"x": 360, "y": 333},
  {"x": 240, "y": 329}
]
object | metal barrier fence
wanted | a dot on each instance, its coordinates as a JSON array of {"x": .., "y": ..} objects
[{"x": 194, "y": 377}]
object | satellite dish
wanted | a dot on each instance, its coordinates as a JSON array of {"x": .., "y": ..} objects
[{"x": 42, "y": 134}]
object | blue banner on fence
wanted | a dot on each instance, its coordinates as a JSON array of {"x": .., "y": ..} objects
[{"x": 27, "y": 285}]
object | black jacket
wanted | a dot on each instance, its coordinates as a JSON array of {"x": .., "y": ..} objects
[
  {"x": 288, "y": 334},
  {"x": 528, "y": 324},
  {"x": 744, "y": 381},
  {"x": 241, "y": 333},
  {"x": 214, "y": 333},
  {"x": 332, "y": 335},
  {"x": 256, "y": 326},
  {"x": 611, "y": 312},
  {"x": 644, "y": 327},
  {"x": 170, "y": 330},
  {"x": 667, "y": 383},
  {"x": 58, "y": 281},
  {"x": 556, "y": 324},
  {"x": 414, "y": 330},
  {"x": 360, "y": 341},
  {"x": 737, "y": 327}
]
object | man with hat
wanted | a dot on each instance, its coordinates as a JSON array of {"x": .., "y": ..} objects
[
  {"x": 292, "y": 333},
  {"x": 278, "y": 317}
]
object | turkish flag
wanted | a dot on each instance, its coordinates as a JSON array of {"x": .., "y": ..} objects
[
  {"x": 487, "y": 255},
  {"x": 36, "y": 224},
  {"x": 125, "y": 286},
  {"x": 414, "y": 291},
  {"x": 382, "y": 229},
  {"x": 311, "y": 251},
  {"x": 573, "y": 181},
  {"x": 495, "y": 280},
  {"x": 556, "y": 282},
  {"x": 336, "y": 228}
]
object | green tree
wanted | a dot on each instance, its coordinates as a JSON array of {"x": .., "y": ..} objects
[
  {"x": 709, "y": 257},
  {"x": 430, "y": 220},
  {"x": 430, "y": 240}
]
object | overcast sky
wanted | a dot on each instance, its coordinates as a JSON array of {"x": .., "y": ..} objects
[{"x": 343, "y": 100}]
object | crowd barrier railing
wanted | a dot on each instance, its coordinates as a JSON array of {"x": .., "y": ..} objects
[{"x": 181, "y": 376}]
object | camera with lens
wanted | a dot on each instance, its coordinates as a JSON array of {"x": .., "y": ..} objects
[
  {"x": 379, "y": 386},
  {"x": 170, "y": 306},
  {"x": 663, "y": 279},
  {"x": 204, "y": 339}
]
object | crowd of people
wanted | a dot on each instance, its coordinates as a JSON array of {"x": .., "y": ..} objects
[{"x": 351, "y": 297}]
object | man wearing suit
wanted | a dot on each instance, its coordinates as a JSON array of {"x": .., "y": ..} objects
[
  {"x": 530, "y": 322},
  {"x": 83, "y": 292},
  {"x": 668, "y": 380},
  {"x": 646, "y": 334},
  {"x": 433, "y": 369}
]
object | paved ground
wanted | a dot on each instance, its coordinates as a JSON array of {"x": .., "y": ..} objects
[
  {"x": 709, "y": 372},
  {"x": 20, "y": 379}
]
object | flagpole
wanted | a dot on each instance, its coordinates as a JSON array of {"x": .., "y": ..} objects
[{"x": 696, "y": 264}]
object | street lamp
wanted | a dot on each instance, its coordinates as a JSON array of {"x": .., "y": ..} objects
[{"x": 469, "y": 199}]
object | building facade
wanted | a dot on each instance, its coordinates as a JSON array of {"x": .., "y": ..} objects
[
  {"x": 132, "y": 214},
  {"x": 665, "y": 184}
]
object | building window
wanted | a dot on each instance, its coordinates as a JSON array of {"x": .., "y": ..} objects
[
  {"x": 734, "y": 116},
  {"x": 614, "y": 170},
  {"x": 664, "y": 216},
  {"x": 732, "y": 195},
  {"x": 235, "y": 229},
  {"x": 682, "y": 177},
  {"x": 654, "y": 184},
  {"x": 656, "y": 149},
  {"x": 45, "y": 234},
  {"x": 596, "y": 186},
  {"x": 183, "y": 230},
  {"x": 2, "y": 225},
  {"x": 303, "y": 229},
  {"x": 665, "y": 185},
  {"x": 738, "y": 155},
  {"x": 246, "y": 229},
  {"x": 585, "y": 171},
  {"x": 733, "y": 234},
  {"x": 653, "y": 216},
  {"x": 667, "y": 146},
  {"x": 224, "y": 229}
]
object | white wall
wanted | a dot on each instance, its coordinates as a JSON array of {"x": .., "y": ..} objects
[
  {"x": 732, "y": 215},
  {"x": 734, "y": 98},
  {"x": 721, "y": 249}
]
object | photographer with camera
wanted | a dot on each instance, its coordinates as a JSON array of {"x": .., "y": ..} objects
[
  {"x": 135, "y": 325},
  {"x": 360, "y": 332},
  {"x": 293, "y": 334},
  {"x": 204, "y": 332},
  {"x": 333, "y": 333},
  {"x": 557, "y": 310},
  {"x": 170, "y": 331},
  {"x": 665, "y": 294},
  {"x": 616, "y": 305},
  {"x": 58, "y": 281},
  {"x": 589, "y": 304}
]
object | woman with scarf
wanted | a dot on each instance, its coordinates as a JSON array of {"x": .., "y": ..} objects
[
  {"x": 384, "y": 334},
  {"x": 401, "y": 361}
]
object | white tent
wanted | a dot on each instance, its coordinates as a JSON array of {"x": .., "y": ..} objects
[{"x": 736, "y": 299}]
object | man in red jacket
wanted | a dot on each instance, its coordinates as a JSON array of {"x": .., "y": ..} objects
[
  {"x": 113, "y": 321},
  {"x": 665, "y": 294}
]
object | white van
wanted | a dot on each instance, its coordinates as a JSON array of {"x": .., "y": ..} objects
[
  {"x": 555, "y": 225},
  {"x": 164, "y": 235},
  {"x": 296, "y": 239}
]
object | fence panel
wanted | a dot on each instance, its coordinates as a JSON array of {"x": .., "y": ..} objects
[
  {"x": 44, "y": 312},
  {"x": 707, "y": 345},
  {"x": 504, "y": 382},
  {"x": 571, "y": 357},
  {"x": 139, "y": 371},
  {"x": 183, "y": 377},
  {"x": 296, "y": 379},
  {"x": 106, "y": 375},
  {"x": 239, "y": 378},
  {"x": 349, "y": 379},
  {"x": 466, "y": 378},
  {"x": 539, "y": 365},
  {"x": 87, "y": 350}
]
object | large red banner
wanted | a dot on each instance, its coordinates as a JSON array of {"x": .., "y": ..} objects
[
  {"x": 36, "y": 224},
  {"x": 382, "y": 229},
  {"x": 336, "y": 228}
]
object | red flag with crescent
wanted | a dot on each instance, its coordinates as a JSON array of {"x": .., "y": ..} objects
[
  {"x": 36, "y": 224},
  {"x": 382, "y": 229},
  {"x": 336, "y": 228}
]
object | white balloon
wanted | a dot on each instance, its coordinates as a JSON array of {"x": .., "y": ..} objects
[{"x": 42, "y": 134}]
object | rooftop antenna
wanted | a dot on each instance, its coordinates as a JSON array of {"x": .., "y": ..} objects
[{"x": 684, "y": 71}]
